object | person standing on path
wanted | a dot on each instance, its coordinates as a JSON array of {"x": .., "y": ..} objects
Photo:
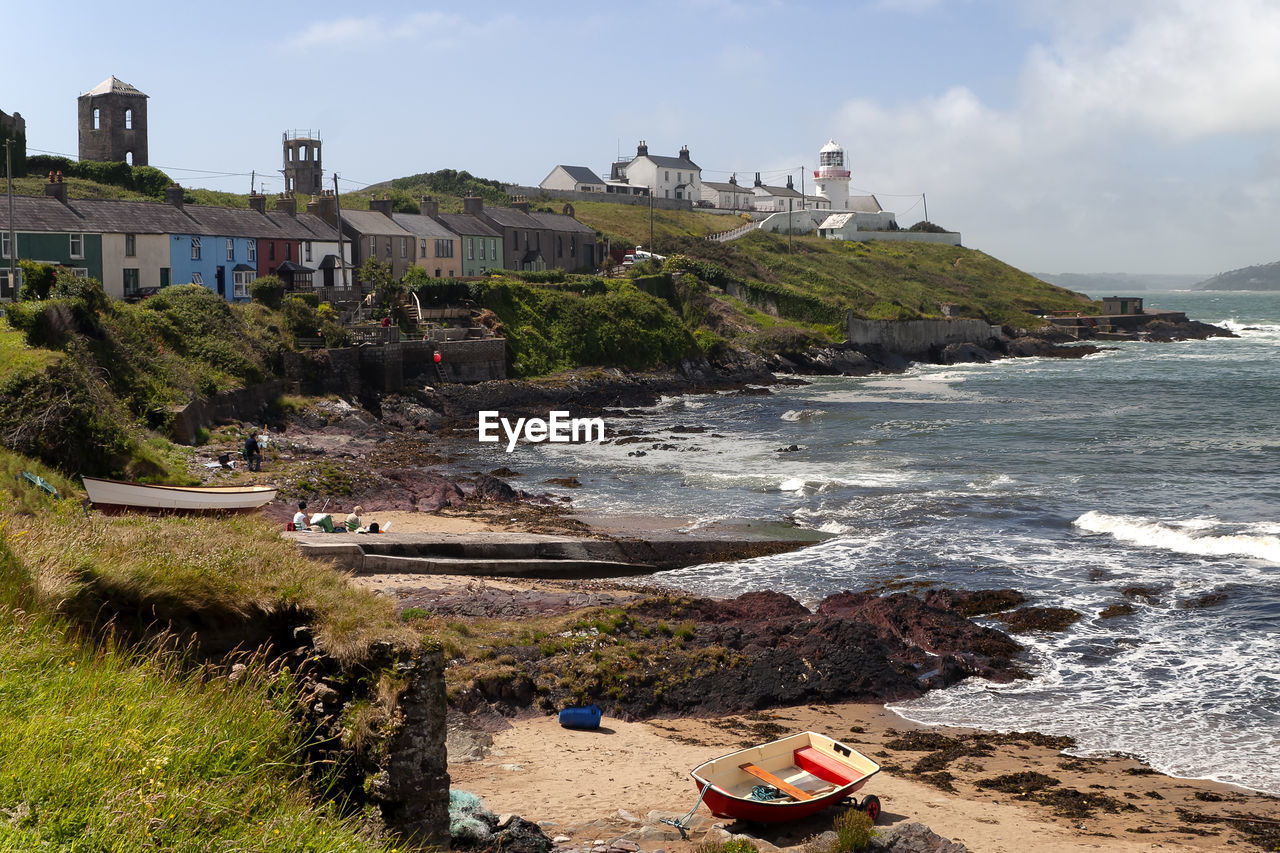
[{"x": 252, "y": 453}]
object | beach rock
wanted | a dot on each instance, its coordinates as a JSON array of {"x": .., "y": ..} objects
[
  {"x": 914, "y": 838},
  {"x": 489, "y": 488},
  {"x": 964, "y": 353},
  {"x": 970, "y": 603},
  {"x": 517, "y": 835},
  {"x": 1027, "y": 619}
]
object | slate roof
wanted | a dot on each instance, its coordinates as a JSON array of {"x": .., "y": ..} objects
[
  {"x": 726, "y": 187},
  {"x": 422, "y": 226},
  {"x": 561, "y": 222},
  {"x": 581, "y": 174},
  {"x": 671, "y": 162},
  {"x": 781, "y": 192},
  {"x": 865, "y": 204},
  {"x": 114, "y": 86},
  {"x": 372, "y": 222},
  {"x": 510, "y": 217},
  {"x": 114, "y": 216},
  {"x": 468, "y": 225}
]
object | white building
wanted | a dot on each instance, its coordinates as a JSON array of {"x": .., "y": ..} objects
[
  {"x": 574, "y": 179},
  {"x": 728, "y": 195},
  {"x": 666, "y": 177}
]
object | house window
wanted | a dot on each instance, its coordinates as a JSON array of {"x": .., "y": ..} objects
[
  {"x": 666, "y": 176},
  {"x": 231, "y": 249},
  {"x": 307, "y": 246},
  {"x": 130, "y": 281},
  {"x": 240, "y": 284},
  {"x": 559, "y": 246},
  {"x": 493, "y": 248},
  {"x": 471, "y": 249},
  {"x": 271, "y": 250},
  {"x": 481, "y": 242},
  {"x": 164, "y": 276},
  {"x": 4, "y": 244},
  {"x": 537, "y": 241},
  {"x": 444, "y": 249},
  {"x": 388, "y": 250},
  {"x": 97, "y": 119},
  {"x": 373, "y": 247},
  {"x": 288, "y": 251},
  {"x": 77, "y": 245},
  {"x": 404, "y": 247},
  {"x": 131, "y": 245},
  {"x": 5, "y": 284},
  {"x": 422, "y": 247},
  {"x": 252, "y": 247},
  {"x": 197, "y": 278},
  {"x": 573, "y": 245},
  {"x": 195, "y": 249}
]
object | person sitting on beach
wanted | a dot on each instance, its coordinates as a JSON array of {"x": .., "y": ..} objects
[
  {"x": 353, "y": 521},
  {"x": 300, "y": 517}
]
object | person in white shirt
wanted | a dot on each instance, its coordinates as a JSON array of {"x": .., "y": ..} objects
[{"x": 300, "y": 517}]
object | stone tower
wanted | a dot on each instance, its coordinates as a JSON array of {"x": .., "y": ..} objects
[
  {"x": 113, "y": 123},
  {"x": 302, "y": 170},
  {"x": 831, "y": 177}
]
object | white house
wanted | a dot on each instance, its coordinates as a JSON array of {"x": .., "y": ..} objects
[
  {"x": 573, "y": 178},
  {"x": 728, "y": 195},
  {"x": 667, "y": 177},
  {"x": 776, "y": 198}
]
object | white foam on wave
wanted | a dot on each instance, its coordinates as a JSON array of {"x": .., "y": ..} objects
[
  {"x": 1135, "y": 530},
  {"x": 795, "y": 415}
]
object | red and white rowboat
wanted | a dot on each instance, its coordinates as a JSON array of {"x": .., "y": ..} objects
[
  {"x": 802, "y": 774},
  {"x": 108, "y": 495}
]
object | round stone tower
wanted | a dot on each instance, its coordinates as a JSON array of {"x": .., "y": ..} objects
[
  {"x": 303, "y": 172},
  {"x": 831, "y": 177},
  {"x": 113, "y": 123}
]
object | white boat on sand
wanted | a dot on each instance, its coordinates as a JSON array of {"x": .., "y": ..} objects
[{"x": 118, "y": 495}]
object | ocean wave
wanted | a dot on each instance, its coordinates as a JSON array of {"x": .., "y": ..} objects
[
  {"x": 794, "y": 415},
  {"x": 1182, "y": 537}
]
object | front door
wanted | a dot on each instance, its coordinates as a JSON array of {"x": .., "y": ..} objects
[{"x": 222, "y": 282}]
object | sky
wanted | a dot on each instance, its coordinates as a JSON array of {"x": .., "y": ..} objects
[{"x": 1087, "y": 136}]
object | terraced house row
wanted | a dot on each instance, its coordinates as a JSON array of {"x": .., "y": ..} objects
[{"x": 136, "y": 247}]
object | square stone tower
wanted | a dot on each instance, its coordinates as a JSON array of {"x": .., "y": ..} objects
[{"x": 113, "y": 123}]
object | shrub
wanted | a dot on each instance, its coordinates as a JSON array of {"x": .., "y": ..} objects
[
  {"x": 854, "y": 830},
  {"x": 268, "y": 290},
  {"x": 37, "y": 279}
]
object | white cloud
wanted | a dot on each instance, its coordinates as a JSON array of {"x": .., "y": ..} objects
[
  {"x": 434, "y": 30},
  {"x": 1132, "y": 122}
]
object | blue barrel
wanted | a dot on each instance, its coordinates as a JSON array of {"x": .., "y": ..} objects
[{"x": 581, "y": 718}]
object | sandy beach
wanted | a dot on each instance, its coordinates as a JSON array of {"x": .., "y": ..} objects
[{"x": 617, "y": 781}]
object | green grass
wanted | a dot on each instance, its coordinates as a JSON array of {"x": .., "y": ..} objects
[
  {"x": 17, "y": 358},
  {"x": 116, "y": 747},
  {"x": 628, "y": 225}
]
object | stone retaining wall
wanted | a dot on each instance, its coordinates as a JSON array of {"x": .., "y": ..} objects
[{"x": 914, "y": 337}]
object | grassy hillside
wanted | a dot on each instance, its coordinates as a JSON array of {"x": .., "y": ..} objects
[{"x": 112, "y": 746}]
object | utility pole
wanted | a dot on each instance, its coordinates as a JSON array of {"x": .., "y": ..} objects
[
  {"x": 651, "y": 219},
  {"x": 926, "y": 206},
  {"x": 13, "y": 237},
  {"x": 791, "y": 203},
  {"x": 342, "y": 257}
]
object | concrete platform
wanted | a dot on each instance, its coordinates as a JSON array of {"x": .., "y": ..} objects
[{"x": 497, "y": 554}]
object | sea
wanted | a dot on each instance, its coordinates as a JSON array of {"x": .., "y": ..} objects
[{"x": 1144, "y": 475}]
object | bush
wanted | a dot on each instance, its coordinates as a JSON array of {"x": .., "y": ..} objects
[
  {"x": 37, "y": 280},
  {"x": 854, "y": 830},
  {"x": 927, "y": 227},
  {"x": 268, "y": 290},
  {"x": 88, "y": 293}
]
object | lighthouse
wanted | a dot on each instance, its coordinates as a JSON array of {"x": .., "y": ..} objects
[{"x": 831, "y": 177}]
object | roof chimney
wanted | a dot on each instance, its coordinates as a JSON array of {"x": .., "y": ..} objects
[
  {"x": 326, "y": 207},
  {"x": 173, "y": 195},
  {"x": 790, "y": 185},
  {"x": 733, "y": 179},
  {"x": 473, "y": 205},
  {"x": 759, "y": 183},
  {"x": 642, "y": 150},
  {"x": 381, "y": 205},
  {"x": 521, "y": 204},
  {"x": 287, "y": 204},
  {"x": 430, "y": 207},
  {"x": 684, "y": 152},
  {"x": 258, "y": 202},
  {"x": 56, "y": 188}
]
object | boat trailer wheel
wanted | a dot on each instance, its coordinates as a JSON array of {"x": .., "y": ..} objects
[{"x": 871, "y": 805}]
